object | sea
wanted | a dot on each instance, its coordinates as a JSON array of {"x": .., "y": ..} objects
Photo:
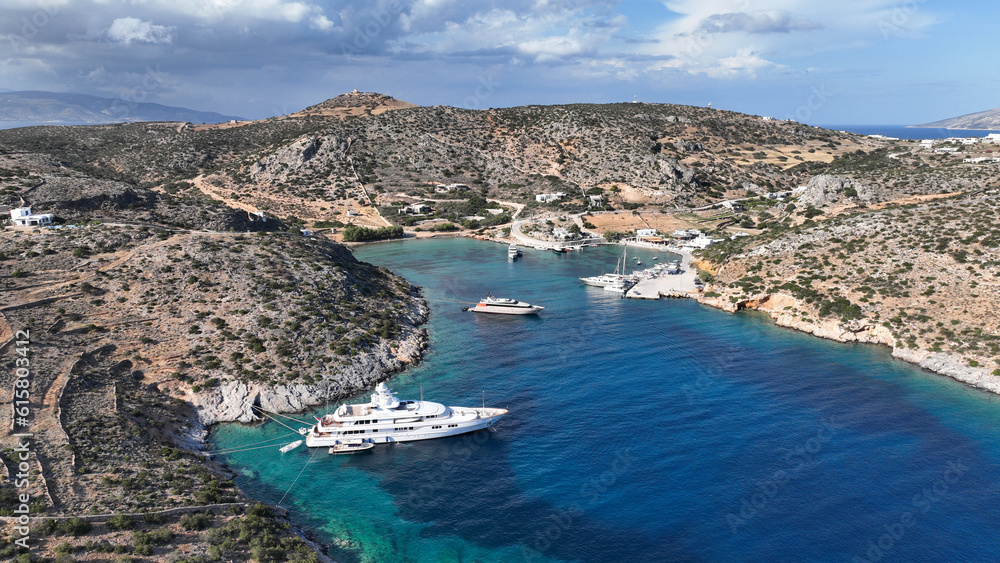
[
  {"x": 640, "y": 431},
  {"x": 910, "y": 133}
]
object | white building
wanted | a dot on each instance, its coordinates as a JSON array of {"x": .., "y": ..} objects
[
  {"x": 544, "y": 198},
  {"x": 415, "y": 209},
  {"x": 927, "y": 144},
  {"x": 445, "y": 188},
  {"x": 699, "y": 243},
  {"x": 992, "y": 138},
  {"x": 561, "y": 233},
  {"x": 645, "y": 233},
  {"x": 23, "y": 217},
  {"x": 595, "y": 201},
  {"x": 686, "y": 234}
]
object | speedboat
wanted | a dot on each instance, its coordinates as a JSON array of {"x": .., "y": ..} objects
[{"x": 386, "y": 419}]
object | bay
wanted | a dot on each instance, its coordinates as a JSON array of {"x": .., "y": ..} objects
[{"x": 642, "y": 431}]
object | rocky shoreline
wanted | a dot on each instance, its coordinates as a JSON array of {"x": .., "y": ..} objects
[
  {"x": 949, "y": 365},
  {"x": 236, "y": 401}
]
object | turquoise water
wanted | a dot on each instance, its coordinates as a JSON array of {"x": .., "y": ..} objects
[{"x": 643, "y": 431}]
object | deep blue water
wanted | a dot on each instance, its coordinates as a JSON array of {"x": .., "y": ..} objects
[
  {"x": 644, "y": 431},
  {"x": 904, "y": 132}
]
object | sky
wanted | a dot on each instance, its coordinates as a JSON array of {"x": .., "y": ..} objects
[{"x": 819, "y": 62}]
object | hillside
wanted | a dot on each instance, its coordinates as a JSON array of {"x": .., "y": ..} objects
[
  {"x": 982, "y": 120},
  {"x": 40, "y": 108},
  {"x": 901, "y": 252},
  {"x": 152, "y": 316},
  {"x": 347, "y": 153}
]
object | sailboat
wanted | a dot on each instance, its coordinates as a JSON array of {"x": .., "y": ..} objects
[{"x": 617, "y": 278}]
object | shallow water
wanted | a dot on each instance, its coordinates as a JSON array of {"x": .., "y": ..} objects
[{"x": 643, "y": 431}]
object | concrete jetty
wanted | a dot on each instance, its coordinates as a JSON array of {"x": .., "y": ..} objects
[{"x": 667, "y": 285}]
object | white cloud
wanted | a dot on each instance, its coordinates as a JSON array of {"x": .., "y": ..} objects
[
  {"x": 744, "y": 63},
  {"x": 727, "y": 39},
  {"x": 322, "y": 23},
  {"x": 126, "y": 31}
]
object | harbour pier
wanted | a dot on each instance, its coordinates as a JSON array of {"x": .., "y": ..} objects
[{"x": 667, "y": 285}]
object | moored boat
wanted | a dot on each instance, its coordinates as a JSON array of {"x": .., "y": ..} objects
[
  {"x": 513, "y": 252},
  {"x": 617, "y": 277},
  {"x": 350, "y": 447},
  {"x": 382, "y": 421},
  {"x": 289, "y": 447}
]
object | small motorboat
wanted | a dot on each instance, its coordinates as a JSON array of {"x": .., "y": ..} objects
[
  {"x": 289, "y": 447},
  {"x": 351, "y": 447}
]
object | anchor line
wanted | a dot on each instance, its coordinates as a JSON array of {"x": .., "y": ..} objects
[
  {"x": 263, "y": 412},
  {"x": 297, "y": 477}
]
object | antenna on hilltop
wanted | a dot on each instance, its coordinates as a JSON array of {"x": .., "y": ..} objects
[{"x": 709, "y": 105}]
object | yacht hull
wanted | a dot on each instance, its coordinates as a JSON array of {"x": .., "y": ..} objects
[
  {"x": 533, "y": 310},
  {"x": 421, "y": 431}
]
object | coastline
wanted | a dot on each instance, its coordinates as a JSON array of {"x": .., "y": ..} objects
[{"x": 948, "y": 365}]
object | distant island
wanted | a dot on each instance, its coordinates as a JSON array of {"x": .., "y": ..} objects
[
  {"x": 983, "y": 120},
  {"x": 53, "y": 108}
]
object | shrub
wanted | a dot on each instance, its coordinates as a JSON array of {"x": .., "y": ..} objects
[
  {"x": 196, "y": 521},
  {"x": 74, "y": 526},
  {"x": 120, "y": 522}
]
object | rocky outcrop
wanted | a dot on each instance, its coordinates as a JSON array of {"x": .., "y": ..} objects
[
  {"x": 825, "y": 189},
  {"x": 296, "y": 156},
  {"x": 240, "y": 401}
]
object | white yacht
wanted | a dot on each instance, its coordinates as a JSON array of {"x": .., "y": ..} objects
[
  {"x": 504, "y": 306},
  {"x": 387, "y": 419},
  {"x": 513, "y": 251}
]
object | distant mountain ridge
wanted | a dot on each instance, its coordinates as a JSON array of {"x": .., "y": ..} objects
[
  {"x": 53, "y": 108},
  {"x": 989, "y": 119}
]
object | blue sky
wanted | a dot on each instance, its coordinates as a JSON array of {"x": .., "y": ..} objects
[{"x": 843, "y": 62}]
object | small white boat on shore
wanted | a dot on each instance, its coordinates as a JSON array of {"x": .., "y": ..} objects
[{"x": 289, "y": 447}]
